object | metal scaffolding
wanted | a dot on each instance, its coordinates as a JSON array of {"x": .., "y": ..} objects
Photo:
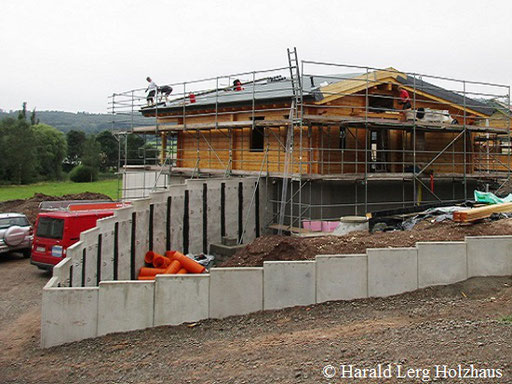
[{"x": 324, "y": 124}]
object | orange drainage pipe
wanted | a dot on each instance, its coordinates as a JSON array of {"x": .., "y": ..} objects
[
  {"x": 146, "y": 278},
  {"x": 182, "y": 271},
  {"x": 145, "y": 271},
  {"x": 160, "y": 261},
  {"x": 190, "y": 265},
  {"x": 174, "y": 267},
  {"x": 148, "y": 258}
]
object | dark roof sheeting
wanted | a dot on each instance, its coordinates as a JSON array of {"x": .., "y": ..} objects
[{"x": 445, "y": 94}]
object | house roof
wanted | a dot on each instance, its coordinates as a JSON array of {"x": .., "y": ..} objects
[
  {"x": 321, "y": 89},
  {"x": 442, "y": 93},
  {"x": 268, "y": 89}
]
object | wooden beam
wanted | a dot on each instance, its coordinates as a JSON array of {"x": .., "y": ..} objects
[{"x": 480, "y": 212}]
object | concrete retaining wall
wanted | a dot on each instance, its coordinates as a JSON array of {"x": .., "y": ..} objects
[
  {"x": 186, "y": 217},
  {"x": 75, "y": 313}
]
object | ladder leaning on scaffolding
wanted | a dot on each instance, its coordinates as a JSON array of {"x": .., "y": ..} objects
[{"x": 294, "y": 118}]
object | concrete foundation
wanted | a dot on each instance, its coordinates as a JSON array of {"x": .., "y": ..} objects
[
  {"x": 68, "y": 314},
  {"x": 441, "y": 263},
  {"x": 341, "y": 277},
  {"x": 235, "y": 291},
  {"x": 288, "y": 283},
  {"x": 489, "y": 255},
  {"x": 392, "y": 271},
  {"x": 181, "y": 299},
  {"x": 125, "y": 306}
]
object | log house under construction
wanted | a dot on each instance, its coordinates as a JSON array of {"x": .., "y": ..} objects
[{"x": 328, "y": 140}]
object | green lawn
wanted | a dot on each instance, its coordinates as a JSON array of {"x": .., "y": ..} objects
[{"x": 11, "y": 192}]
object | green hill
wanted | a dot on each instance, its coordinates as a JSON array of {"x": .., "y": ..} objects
[{"x": 81, "y": 121}]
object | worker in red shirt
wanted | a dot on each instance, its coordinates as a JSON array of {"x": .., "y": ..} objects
[{"x": 405, "y": 100}]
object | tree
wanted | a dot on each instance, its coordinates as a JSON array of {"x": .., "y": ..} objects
[
  {"x": 18, "y": 161},
  {"x": 92, "y": 154},
  {"x": 22, "y": 115},
  {"x": 76, "y": 141},
  {"x": 134, "y": 143},
  {"x": 50, "y": 148},
  {"x": 109, "y": 147},
  {"x": 33, "y": 119}
]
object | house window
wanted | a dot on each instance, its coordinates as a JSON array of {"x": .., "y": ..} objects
[
  {"x": 257, "y": 136},
  {"x": 380, "y": 103}
]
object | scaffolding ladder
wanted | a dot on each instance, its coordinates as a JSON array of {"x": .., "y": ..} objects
[{"x": 295, "y": 120}]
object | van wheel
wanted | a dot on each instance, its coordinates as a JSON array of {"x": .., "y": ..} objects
[{"x": 26, "y": 253}]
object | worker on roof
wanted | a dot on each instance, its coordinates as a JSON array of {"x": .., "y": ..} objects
[
  {"x": 152, "y": 89},
  {"x": 404, "y": 101},
  {"x": 237, "y": 85}
]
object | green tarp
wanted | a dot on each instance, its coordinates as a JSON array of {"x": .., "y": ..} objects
[{"x": 491, "y": 198}]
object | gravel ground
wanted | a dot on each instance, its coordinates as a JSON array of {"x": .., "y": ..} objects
[{"x": 460, "y": 324}]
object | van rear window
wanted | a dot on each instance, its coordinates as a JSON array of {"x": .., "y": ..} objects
[
  {"x": 10, "y": 221},
  {"x": 50, "y": 228}
]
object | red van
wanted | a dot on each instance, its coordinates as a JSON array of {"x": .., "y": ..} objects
[{"x": 58, "y": 229}]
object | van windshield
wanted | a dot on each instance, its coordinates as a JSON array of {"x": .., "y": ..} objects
[{"x": 50, "y": 228}]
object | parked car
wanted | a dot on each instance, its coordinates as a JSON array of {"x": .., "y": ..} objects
[
  {"x": 58, "y": 229},
  {"x": 15, "y": 233}
]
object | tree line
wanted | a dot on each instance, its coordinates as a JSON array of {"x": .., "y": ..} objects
[{"x": 31, "y": 151}]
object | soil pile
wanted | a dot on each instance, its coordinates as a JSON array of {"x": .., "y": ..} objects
[
  {"x": 285, "y": 248},
  {"x": 30, "y": 207}
]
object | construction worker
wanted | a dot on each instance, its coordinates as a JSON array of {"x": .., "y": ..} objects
[
  {"x": 237, "y": 85},
  {"x": 152, "y": 89},
  {"x": 404, "y": 101}
]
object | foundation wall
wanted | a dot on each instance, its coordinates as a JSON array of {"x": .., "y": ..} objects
[{"x": 76, "y": 313}]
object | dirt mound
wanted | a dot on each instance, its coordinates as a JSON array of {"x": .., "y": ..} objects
[
  {"x": 30, "y": 207},
  {"x": 275, "y": 247}
]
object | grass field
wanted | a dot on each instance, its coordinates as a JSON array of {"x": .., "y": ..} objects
[{"x": 11, "y": 192}]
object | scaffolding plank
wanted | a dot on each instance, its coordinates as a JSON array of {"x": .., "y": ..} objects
[{"x": 210, "y": 125}]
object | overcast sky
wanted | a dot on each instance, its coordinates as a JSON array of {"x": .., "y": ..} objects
[{"x": 70, "y": 55}]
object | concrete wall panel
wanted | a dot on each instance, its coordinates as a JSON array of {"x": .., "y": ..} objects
[
  {"x": 288, "y": 283},
  {"x": 181, "y": 298},
  {"x": 106, "y": 228},
  {"x": 214, "y": 211},
  {"x": 392, "y": 271},
  {"x": 125, "y": 306},
  {"x": 341, "y": 277},
  {"x": 489, "y": 255},
  {"x": 235, "y": 291},
  {"x": 90, "y": 240},
  {"x": 195, "y": 212},
  {"x": 231, "y": 208},
  {"x": 249, "y": 205},
  {"x": 68, "y": 314},
  {"x": 177, "y": 207},
  {"x": 441, "y": 263}
]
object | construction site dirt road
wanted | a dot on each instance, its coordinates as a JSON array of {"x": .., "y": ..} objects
[{"x": 467, "y": 323}]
